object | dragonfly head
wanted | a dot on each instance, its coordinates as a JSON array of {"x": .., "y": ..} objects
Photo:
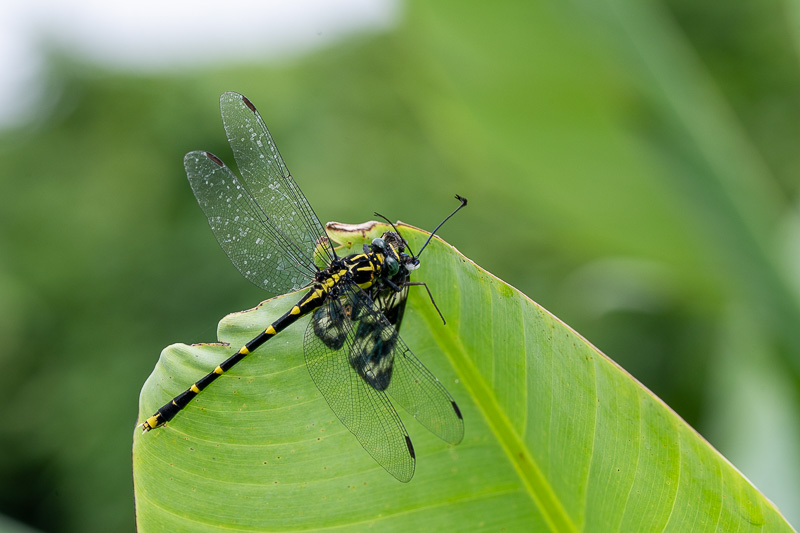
[{"x": 396, "y": 261}]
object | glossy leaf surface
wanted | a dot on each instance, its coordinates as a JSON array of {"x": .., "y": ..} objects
[{"x": 558, "y": 437}]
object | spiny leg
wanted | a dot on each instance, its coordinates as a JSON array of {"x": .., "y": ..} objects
[{"x": 418, "y": 283}]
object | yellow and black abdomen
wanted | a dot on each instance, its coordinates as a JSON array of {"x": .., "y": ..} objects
[
  {"x": 363, "y": 269},
  {"x": 311, "y": 301}
]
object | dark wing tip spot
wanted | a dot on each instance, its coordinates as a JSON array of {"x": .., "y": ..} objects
[
  {"x": 249, "y": 104},
  {"x": 457, "y": 410},
  {"x": 215, "y": 159},
  {"x": 410, "y": 447}
]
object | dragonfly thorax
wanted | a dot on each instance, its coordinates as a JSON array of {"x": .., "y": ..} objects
[{"x": 366, "y": 268}]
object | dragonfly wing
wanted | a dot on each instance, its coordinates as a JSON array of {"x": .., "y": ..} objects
[
  {"x": 392, "y": 304},
  {"x": 246, "y": 235},
  {"x": 418, "y": 391},
  {"x": 388, "y": 364},
  {"x": 363, "y": 409},
  {"x": 269, "y": 182}
]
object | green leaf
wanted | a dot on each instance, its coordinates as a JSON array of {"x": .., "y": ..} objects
[{"x": 558, "y": 437}]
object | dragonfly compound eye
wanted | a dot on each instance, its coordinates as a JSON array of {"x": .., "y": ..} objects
[
  {"x": 392, "y": 265},
  {"x": 378, "y": 244}
]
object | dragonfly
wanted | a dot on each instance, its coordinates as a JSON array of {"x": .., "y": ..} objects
[{"x": 352, "y": 347}]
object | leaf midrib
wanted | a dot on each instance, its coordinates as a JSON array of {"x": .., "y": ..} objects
[{"x": 527, "y": 469}]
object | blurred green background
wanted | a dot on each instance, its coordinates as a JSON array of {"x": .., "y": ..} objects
[{"x": 631, "y": 165}]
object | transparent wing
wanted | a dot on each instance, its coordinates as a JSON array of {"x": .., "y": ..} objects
[
  {"x": 391, "y": 303},
  {"x": 418, "y": 391},
  {"x": 363, "y": 409},
  {"x": 254, "y": 245},
  {"x": 386, "y": 362},
  {"x": 269, "y": 182}
]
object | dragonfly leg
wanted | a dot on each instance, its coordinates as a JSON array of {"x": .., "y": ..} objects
[{"x": 409, "y": 283}]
